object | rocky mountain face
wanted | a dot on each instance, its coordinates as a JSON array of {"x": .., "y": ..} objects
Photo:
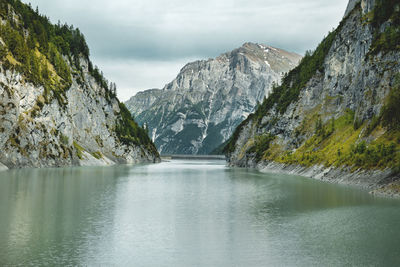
[
  {"x": 55, "y": 109},
  {"x": 201, "y": 108},
  {"x": 338, "y": 109}
]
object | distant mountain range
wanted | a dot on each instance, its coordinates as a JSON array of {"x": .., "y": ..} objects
[{"x": 200, "y": 109}]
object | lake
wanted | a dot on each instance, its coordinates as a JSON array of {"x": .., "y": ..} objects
[{"x": 190, "y": 213}]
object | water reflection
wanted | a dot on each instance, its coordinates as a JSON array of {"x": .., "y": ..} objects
[
  {"x": 45, "y": 209},
  {"x": 287, "y": 195},
  {"x": 189, "y": 213}
]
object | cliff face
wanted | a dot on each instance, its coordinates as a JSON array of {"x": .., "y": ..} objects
[
  {"x": 366, "y": 6},
  {"x": 341, "y": 115},
  {"x": 200, "y": 109},
  {"x": 51, "y": 122}
]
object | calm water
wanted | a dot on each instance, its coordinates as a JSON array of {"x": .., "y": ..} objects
[{"x": 190, "y": 213}]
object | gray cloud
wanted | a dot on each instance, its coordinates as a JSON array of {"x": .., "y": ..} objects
[{"x": 124, "y": 34}]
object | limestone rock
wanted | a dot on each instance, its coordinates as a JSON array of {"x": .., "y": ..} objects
[
  {"x": 201, "y": 108},
  {"x": 352, "y": 80},
  {"x": 81, "y": 132}
]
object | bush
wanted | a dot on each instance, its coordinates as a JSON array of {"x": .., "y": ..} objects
[
  {"x": 261, "y": 145},
  {"x": 372, "y": 156},
  {"x": 130, "y": 133},
  {"x": 389, "y": 39},
  {"x": 391, "y": 111}
]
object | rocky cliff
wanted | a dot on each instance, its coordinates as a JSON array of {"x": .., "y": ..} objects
[
  {"x": 200, "y": 109},
  {"x": 55, "y": 108},
  {"x": 335, "y": 117}
]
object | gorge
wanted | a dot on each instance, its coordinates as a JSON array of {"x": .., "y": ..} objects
[
  {"x": 200, "y": 109},
  {"x": 78, "y": 181}
]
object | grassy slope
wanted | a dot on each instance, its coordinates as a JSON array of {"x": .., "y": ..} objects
[
  {"x": 344, "y": 145},
  {"x": 373, "y": 144},
  {"x": 293, "y": 82}
]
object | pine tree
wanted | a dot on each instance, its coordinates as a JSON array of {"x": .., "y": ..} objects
[
  {"x": 45, "y": 71},
  {"x": 34, "y": 68}
]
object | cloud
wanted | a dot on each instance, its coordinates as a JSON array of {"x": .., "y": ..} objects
[
  {"x": 147, "y": 74},
  {"x": 120, "y": 32}
]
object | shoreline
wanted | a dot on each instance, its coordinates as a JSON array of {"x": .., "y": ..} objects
[
  {"x": 3, "y": 167},
  {"x": 376, "y": 182},
  {"x": 194, "y": 157},
  {"x": 104, "y": 162}
]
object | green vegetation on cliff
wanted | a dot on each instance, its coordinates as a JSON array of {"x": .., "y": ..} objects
[
  {"x": 129, "y": 132},
  {"x": 340, "y": 139},
  {"x": 341, "y": 145},
  {"x": 386, "y": 11},
  {"x": 43, "y": 52},
  {"x": 53, "y": 56},
  {"x": 261, "y": 144},
  {"x": 391, "y": 111},
  {"x": 344, "y": 141},
  {"x": 292, "y": 83}
]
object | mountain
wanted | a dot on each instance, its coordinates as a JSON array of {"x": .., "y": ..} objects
[
  {"x": 336, "y": 116},
  {"x": 200, "y": 109},
  {"x": 56, "y": 109}
]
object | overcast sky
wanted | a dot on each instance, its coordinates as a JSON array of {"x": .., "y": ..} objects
[{"x": 142, "y": 44}]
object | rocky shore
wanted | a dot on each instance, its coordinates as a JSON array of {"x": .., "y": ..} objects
[{"x": 377, "y": 182}]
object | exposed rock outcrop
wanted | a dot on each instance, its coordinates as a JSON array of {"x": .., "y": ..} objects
[
  {"x": 337, "y": 112},
  {"x": 200, "y": 109},
  {"x": 79, "y": 133},
  {"x": 44, "y": 123}
]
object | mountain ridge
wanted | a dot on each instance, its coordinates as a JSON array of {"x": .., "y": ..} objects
[
  {"x": 199, "y": 109},
  {"x": 334, "y": 117},
  {"x": 56, "y": 108}
]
